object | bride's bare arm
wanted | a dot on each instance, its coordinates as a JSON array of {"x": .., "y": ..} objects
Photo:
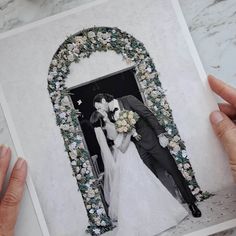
[{"x": 125, "y": 142}]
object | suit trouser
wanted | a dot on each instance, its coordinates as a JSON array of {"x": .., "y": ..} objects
[{"x": 167, "y": 162}]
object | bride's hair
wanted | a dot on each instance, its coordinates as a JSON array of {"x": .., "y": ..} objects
[{"x": 96, "y": 119}]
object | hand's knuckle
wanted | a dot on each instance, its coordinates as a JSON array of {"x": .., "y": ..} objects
[{"x": 10, "y": 199}]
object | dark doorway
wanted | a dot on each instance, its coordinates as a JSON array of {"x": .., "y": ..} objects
[{"x": 119, "y": 84}]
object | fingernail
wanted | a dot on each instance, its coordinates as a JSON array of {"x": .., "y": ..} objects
[
  {"x": 20, "y": 162},
  {"x": 4, "y": 149},
  {"x": 216, "y": 117}
]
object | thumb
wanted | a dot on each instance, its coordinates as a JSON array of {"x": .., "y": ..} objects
[{"x": 225, "y": 129}]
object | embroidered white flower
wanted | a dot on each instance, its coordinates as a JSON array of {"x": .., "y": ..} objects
[
  {"x": 79, "y": 176},
  {"x": 184, "y": 153},
  {"x": 70, "y": 46},
  {"x": 100, "y": 211},
  {"x": 73, "y": 146},
  {"x": 186, "y": 175},
  {"x": 186, "y": 166},
  {"x": 91, "y": 211},
  {"x": 91, "y": 34},
  {"x": 154, "y": 94},
  {"x": 180, "y": 165},
  {"x": 176, "y": 149},
  {"x": 65, "y": 126},
  {"x": 62, "y": 115},
  {"x": 149, "y": 103},
  {"x": 103, "y": 223},
  {"x": 106, "y": 36},
  {"x": 73, "y": 154},
  {"x": 97, "y": 231},
  {"x": 176, "y": 138},
  {"x": 80, "y": 40},
  {"x": 191, "y": 187},
  {"x": 73, "y": 163},
  {"x": 65, "y": 101},
  {"x": 71, "y": 57},
  {"x": 54, "y": 62},
  {"x": 196, "y": 191}
]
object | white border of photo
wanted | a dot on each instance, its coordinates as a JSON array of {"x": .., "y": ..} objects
[{"x": 29, "y": 183}]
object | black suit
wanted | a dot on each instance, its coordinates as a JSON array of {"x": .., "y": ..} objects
[{"x": 149, "y": 147}]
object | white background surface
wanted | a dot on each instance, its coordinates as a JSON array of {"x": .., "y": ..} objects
[
  {"x": 212, "y": 24},
  {"x": 24, "y": 81}
]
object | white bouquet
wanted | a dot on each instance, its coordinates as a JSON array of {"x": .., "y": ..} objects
[{"x": 126, "y": 121}]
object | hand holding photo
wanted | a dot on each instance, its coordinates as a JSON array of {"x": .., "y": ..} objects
[{"x": 150, "y": 172}]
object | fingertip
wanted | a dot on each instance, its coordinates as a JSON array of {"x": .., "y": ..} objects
[
  {"x": 212, "y": 80},
  {"x": 211, "y": 77},
  {"x": 20, "y": 164},
  {"x": 19, "y": 171},
  {"x": 216, "y": 117}
]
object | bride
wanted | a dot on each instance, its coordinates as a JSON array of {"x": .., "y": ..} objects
[{"x": 138, "y": 201}]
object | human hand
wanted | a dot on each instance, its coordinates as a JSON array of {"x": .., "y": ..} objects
[
  {"x": 223, "y": 121},
  {"x": 163, "y": 140},
  {"x": 137, "y": 136},
  {"x": 10, "y": 202}
]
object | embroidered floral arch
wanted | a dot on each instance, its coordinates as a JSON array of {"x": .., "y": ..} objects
[{"x": 82, "y": 45}]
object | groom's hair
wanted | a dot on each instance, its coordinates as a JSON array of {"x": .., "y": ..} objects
[{"x": 98, "y": 98}]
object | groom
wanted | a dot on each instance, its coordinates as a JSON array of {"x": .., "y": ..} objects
[{"x": 148, "y": 145}]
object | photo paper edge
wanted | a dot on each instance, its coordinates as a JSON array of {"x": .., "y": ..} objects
[
  {"x": 19, "y": 152},
  {"x": 221, "y": 227},
  {"x": 212, "y": 102},
  {"x": 194, "y": 54}
]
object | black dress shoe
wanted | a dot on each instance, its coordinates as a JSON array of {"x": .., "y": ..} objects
[{"x": 195, "y": 211}]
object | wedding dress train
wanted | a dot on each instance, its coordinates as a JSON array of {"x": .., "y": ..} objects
[{"x": 139, "y": 202}]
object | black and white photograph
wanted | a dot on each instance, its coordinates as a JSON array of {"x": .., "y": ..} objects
[{"x": 128, "y": 163}]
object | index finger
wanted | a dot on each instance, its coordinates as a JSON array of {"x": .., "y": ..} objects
[
  {"x": 225, "y": 91},
  {"x": 228, "y": 109}
]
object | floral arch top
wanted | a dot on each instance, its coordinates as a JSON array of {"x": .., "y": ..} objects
[{"x": 82, "y": 45}]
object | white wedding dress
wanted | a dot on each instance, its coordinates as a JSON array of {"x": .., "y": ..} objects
[{"x": 139, "y": 202}]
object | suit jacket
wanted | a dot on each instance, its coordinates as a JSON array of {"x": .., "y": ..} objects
[{"x": 147, "y": 125}]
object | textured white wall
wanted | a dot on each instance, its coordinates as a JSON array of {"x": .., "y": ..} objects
[{"x": 24, "y": 60}]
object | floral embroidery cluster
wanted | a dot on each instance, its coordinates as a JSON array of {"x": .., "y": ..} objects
[{"x": 74, "y": 49}]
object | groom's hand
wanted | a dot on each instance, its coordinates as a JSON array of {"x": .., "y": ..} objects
[
  {"x": 10, "y": 202},
  {"x": 138, "y": 137},
  {"x": 223, "y": 121},
  {"x": 163, "y": 140}
]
